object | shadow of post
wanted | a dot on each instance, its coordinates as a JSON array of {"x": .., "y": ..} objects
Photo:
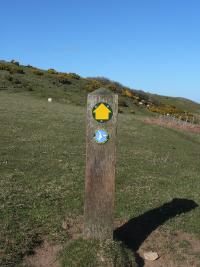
[{"x": 136, "y": 230}]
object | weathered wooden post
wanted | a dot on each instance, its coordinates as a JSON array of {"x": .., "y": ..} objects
[{"x": 102, "y": 109}]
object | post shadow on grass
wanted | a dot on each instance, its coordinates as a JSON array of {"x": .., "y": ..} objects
[{"x": 136, "y": 230}]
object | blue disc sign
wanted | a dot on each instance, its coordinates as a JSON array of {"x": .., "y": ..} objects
[{"x": 101, "y": 136}]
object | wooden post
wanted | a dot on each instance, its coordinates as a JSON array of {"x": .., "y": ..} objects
[{"x": 100, "y": 164}]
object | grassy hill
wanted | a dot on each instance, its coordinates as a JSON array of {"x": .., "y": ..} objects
[
  {"x": 42, "y": 159},
  {"x": 71, "y": 88},
  {"x": 179, "y": 102}
]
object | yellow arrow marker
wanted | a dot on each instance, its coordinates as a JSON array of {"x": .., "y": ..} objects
[{"x": 102, "y": 112}]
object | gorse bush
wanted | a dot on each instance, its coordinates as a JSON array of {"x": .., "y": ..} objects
[
  {"x": 93, "y": 85},
  {"x": 37, "y": 72},
  {"x": 105, "y": 82},
  {"x": 52, "y": 71},
  {"x": 173, "y": 111},
  {"x": 11, "y": 69},
  {"x": 165, "y": 109},
  {"x": 16, "y": 70},
  {"x": 72, "y": 75},
  {"x": 127, "y": 92},
  {"x": 5, "y": 66},
  {"x": 62, "y": 78},
  {"x": 112, "y": 87}
]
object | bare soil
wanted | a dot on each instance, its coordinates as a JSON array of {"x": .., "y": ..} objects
[
  {"x": 44, "y": 256},
  {"x": 174, "y": 249}
]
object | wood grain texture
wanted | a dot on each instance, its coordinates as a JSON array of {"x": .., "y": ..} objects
[{"x": 100, "y": 170}]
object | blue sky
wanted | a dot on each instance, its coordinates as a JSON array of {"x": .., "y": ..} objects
[{"x": 153, "y": 45}]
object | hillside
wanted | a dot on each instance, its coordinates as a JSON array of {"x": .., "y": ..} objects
[
  {"x": 42, "y": 164},
  {"x": 71, "y": 88},
  {"x": 179, "y": 102}
]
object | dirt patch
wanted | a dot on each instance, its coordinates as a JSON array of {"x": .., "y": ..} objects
[
  {"x": 175, "y": 250},
  {"x": 44, "y": 256},
  {"x": 47, "y": 254}
]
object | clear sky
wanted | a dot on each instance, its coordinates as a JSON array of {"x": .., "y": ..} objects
[{"x": 153, "y": 45}]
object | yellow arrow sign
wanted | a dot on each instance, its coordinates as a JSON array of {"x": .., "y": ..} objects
[{"x": 102, "y": 112}]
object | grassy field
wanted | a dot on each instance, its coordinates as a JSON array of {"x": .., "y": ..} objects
[{"x": 42, "y": 158}]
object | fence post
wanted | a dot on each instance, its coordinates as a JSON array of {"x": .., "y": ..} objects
[{"x": 102, "y": 109}]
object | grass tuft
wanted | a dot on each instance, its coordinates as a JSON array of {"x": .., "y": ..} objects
[{"x": 90, "y": 253}]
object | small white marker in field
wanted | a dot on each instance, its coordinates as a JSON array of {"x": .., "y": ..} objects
[{"x": 49, "y": 99}]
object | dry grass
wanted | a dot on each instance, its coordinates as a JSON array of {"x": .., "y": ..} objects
[{"x": 170, "y": 122}]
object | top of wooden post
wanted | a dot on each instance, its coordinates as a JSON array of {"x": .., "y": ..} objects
[{"x": 102, "y": 91}]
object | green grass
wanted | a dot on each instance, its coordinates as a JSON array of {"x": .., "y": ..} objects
[
  {"x": 90, "y": 253},
  {"x": 42, "y": 161},
  {"x": 41, "y": 179},
  {"x": 42, "y": 148}
]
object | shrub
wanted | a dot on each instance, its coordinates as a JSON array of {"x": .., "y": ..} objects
[
  {"x": 9, "y": 78},
  {"x": 93, "y": 85},
  {"x": 112, "y": 87},
  {"x": 4, "y": 66},
  {"x": 37, "y": 72},
  {"x": 10, "y": 68},
  {"x": 15, "y": 62},
  {"x": 105, "y": 82},
  {"x": 63, "y": 79},
  {"x": 143, "y": 95},
  {"x": 165, "y": 109},
  {"x": 73, "y": 76},
  {"x": 173, "y": 111},
  {"x": 127, "y": 92},
  {"x": 123, "y": 103},
  {"x": 52, "y": 71},
  {"x": 17, "y": 81},
  {"x": 16, "y": 70}
]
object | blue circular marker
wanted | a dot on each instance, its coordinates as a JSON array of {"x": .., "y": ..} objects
[{"x": 101, "y": 136}]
